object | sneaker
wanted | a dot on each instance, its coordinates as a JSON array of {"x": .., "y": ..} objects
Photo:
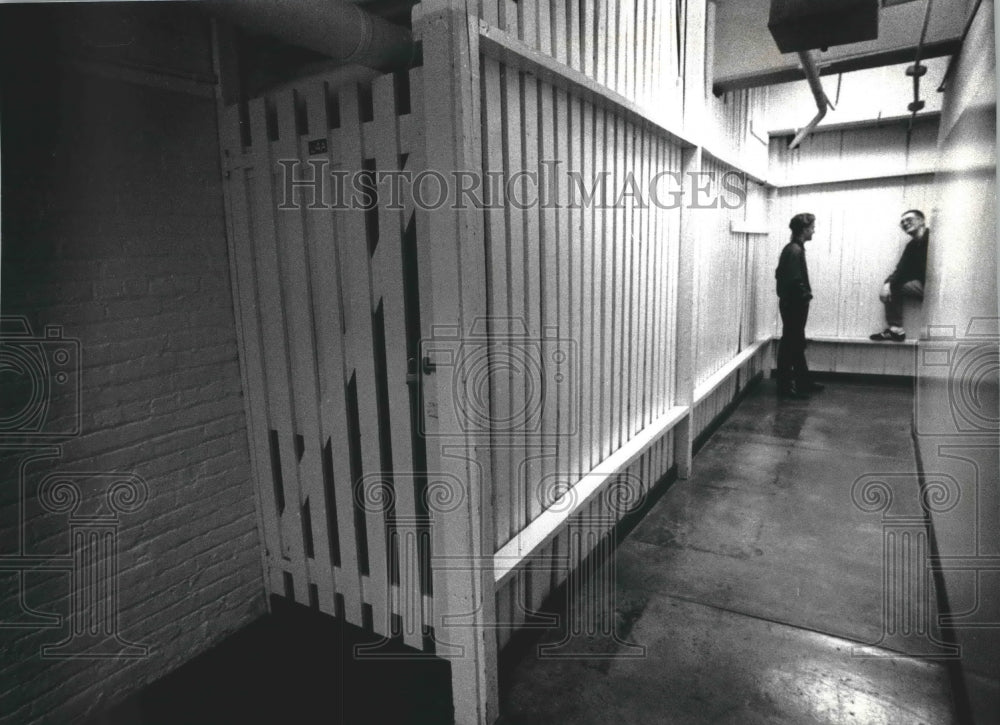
[{"x": 888, "y": 335}]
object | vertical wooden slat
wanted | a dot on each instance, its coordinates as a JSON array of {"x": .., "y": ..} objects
[
  {"x": 629, "y": 274},
  {"x": 327, "y": 307},
  {"x": 564, "y": 465},
  {"x": 588, "y": 311},
  {"x": 509, "y": 19},
  {"x": 493, "y": 80},
  {"x": 388, "y": 284},
  {"x": 545, "y": 26},
  {"x": 424, "y": 253},
  {"x": 632, "y": 58},
  {"x": 535, "y": 137},
  {"x": 533, "y": 285},
  {"x": 649, "y": 280},
  {"x": 601, "y": 46},
  {"x": 359, "y": 318},
  {"x": 686, "y": 315},
  {"x": 549, "y": 291},
  {"x": 244, "y": 288},
  {"x": 519, "y": 384},
  {"x": 275, "y": 349},
  {"x": 613, "y": 271},
  {"x": 294, "y": 275},
  {"x": 661, "y": 346},
  {"x": 597, "y": 382},
  {"x": 575, "y": 249},
  {"x": 490, "y": 11},
  {"x": 560, "y": 49},
  {"x": 694, "y": 68},
  {"x": 660, "y": 82},
  {"x": 573, "y": 34},
  {"x": 617, "y": 49}
]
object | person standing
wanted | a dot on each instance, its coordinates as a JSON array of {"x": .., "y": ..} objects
[
  {"x": 907, "y": 280},
  {"x": 794, "y": 294}
]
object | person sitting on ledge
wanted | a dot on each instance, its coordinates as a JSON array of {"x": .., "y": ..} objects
[{"x": 907, "y": 280}]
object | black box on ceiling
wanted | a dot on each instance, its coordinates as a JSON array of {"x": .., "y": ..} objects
[{"x": 809, "y": 24}]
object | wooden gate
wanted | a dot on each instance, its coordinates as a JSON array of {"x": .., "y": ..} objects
[{"x": 328, "y": 288}]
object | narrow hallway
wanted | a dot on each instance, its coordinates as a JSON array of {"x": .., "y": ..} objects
[{"x": 756, "y": 586}]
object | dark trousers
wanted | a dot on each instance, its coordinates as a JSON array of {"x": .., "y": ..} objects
[
  {"x": 894, "y": 305},
  {"x": 792, "y": 348}
]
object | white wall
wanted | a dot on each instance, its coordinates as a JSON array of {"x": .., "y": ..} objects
[
  {"x": 864, "y": 95},
  {"x": 957, "y": 375},
  {"x": 858, "y": 240}
]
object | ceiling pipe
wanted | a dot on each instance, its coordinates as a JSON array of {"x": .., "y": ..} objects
[
  {"x": 822, "y": 102},
  {"x": 341, "y": 30}
]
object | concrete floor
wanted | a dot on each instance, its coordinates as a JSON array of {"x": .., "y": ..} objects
[
  {"x": 753, "y": 592},
  {"x": 750, "y": 593}
]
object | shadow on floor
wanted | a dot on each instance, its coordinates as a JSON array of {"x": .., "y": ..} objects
[
  {"x": 294, "y": 667},
  {"x": 753, "y": 591}
]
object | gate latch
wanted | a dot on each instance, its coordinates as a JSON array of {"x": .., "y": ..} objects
[{"x": 428, "y": 366}]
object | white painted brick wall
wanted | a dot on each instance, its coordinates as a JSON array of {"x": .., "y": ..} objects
[{"x": 117, "y": 233}]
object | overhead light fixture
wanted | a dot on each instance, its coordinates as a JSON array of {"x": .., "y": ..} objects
[{"x": 799, "y": 25}]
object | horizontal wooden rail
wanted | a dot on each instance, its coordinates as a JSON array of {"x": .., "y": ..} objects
[
  {"x": 861, "y": 124},
  {"x": 410, "y": 137},
  {"x": 817, "y": 180},
  {"x": 500, "y": 46},
  {"x": 719, "y": 377},
  {"x": 749, "y": 227},
  {"x": 857, "y": 341},
  {"x": 727, "y": 157},
  {"x": 510, "y": 51},
  {"x": 544, "y": 527}
]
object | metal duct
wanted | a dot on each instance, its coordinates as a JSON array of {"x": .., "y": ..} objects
[
  {"x": 822, "y": 102},
  {"x": 341, "y": 30}
]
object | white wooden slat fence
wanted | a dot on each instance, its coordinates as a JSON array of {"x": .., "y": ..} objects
[
  {"x": 330, "y": 319},
  {"x": 603, "y": 295},
  {"x": 589, "y": 343}
]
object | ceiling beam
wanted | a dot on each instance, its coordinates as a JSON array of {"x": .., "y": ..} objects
[{"x": 770, "y": 77}]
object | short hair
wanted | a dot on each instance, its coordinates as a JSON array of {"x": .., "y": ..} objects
[
  {"x": 914, "y": 211},
  {"x": 800, "y": 222}
]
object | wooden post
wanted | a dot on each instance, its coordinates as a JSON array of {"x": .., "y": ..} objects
[
  {"x": 686, "y": 315},
  {"x": 463, "y": 535}
]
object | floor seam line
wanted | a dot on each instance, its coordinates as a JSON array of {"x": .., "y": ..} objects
[{"x": 890, "y": 652}]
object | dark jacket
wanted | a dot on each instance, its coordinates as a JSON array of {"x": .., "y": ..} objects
[
  {"x": 792, "y": 274},
  {"x": 912, "y": 263}
]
